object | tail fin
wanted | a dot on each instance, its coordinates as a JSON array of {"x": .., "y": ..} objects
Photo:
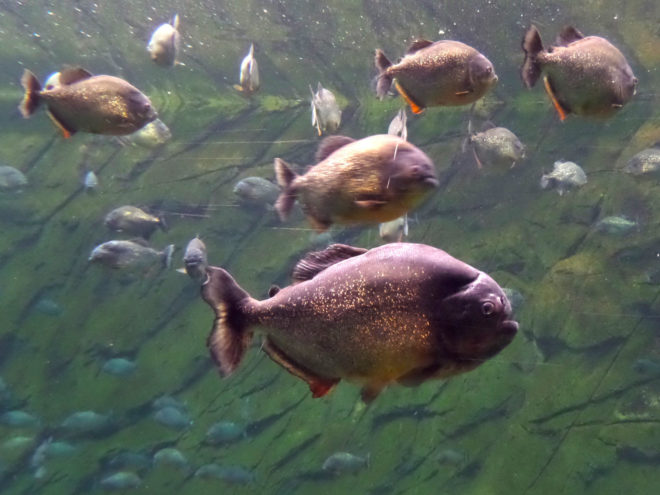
[
  {"x": 230, "y": 336},
  {"x": 31, "y": 99},
  {"x": 384, "y": 80},
  {"x": 285, "y": 177},
  {"x": 163, "y": 224},
  {"x": 167, "y": 255},
  {"x": 532, "y": 46}
]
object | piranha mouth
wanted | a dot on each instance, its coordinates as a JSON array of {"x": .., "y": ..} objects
[
  {"x": 430, "y": 181},
  {"x": 508, "y": 328}
]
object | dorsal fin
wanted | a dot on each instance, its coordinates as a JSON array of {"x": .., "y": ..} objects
[
  {"x": 331, "y": 144},
  {"x": 73, "y": 75},
  {"x": 317, "y": 261},
  {"x": 418, "y": 45},
  {"x": 274, "y": 289},
  {"x": 140, "y": 241},
  {"x": 568, "y": 35}
]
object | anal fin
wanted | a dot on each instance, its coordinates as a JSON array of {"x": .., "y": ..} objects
[
  {"x": 66, "y": 130},
  {"x": 414, "y": 106},
  {"x": 560, "y": 109},
  {"x": 370, "y": 391},
  {"x": 319, "y": 386}
]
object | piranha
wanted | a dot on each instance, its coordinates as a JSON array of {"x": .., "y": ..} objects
[
  {"x": 165, "y": 43},
  {"x": 371, "y": 180},
  {"x": 399, "y": 313},
  {"x": 249, "y": 74},
  {"x": 582, "y": 75},
  {"x": 441, "y": 73},
  {"x": 326, "y": 114},
  {"x": 195, "y": 260},
  {"x": 134, "y": 254},
  {"x": 86, "y": 103},
  {"x": 394, "y": 230},
  {"x": 134, "y": 221},
  {"x": 494, "y": 146}
]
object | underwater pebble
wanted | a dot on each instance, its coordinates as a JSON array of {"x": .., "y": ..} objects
[
  {"x": 19, "y": 419},
  {"x": 129, "y": 459},
  {"x": 119, "y": 367},
  {"x": 121, "y": 481},
  {"x": 173, "y": 418},
  {"x": 224, "y": 432},
  {"x": 11, "y": 179},
  {"x": 86, "y": 422},
  {"x": 47, "y": 306},
  {"x": 168, "y": 401},
  {"x": 450, "y": 456},
  {"x": 171, "y": 457},
  {"x": 60, "y": 449},
  {"x": 231, "y": 474},
  {"x": 345, "y": 462},
  {"x": 647, "y": 366}
]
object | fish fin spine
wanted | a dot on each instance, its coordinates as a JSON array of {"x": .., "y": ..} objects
[
  {"x": 73, "y": 75},
  {"x": 32, "y": 87},
  {"x": 414, "y": 106},
  {"x": 167, "y": 255},
  {"x": 551, "y": 93},
  {"x": 476, "y": 158},
  {"x": 331, "y": 144},
  {"x": 319, "y": 386},
  {"x": 418, "y": 45},
  {"x": 66, "y": 130},
  {"x": 317, "y": 261},
  {"x": 285, "y": 178},
  {"x": 532, "y": 46},
  {"x": 230, "y": 336},
  {"x": 175, "y": 21},
  {"x": 568, "y": 35},
  {"x": 384, "y": 79}
]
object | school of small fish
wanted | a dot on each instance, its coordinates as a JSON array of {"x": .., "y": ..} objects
[{"x": 401, "y": 313}]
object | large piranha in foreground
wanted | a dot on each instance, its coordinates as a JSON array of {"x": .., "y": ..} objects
[{"x": 403, "y": 313}]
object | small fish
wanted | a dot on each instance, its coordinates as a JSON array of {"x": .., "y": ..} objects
[
  {"x": 19, "y": 419},
  {"x": 165, "y": 44},
  {"x": 231, "y": 474},
  {"x": 87, "y": 103},
  {"x": 195, "y": 260},
  {"x": 400, "y": 312},
  {"x": 326, "y": 115},
  {"x": 564, "y": 176},
  {"x": 495, "y": 147},
  {"x": 134, "y": 221},
  {"x": 394, "y": 230},
  {"x": 398, "y": 125},
  {"x": 56, "y": 449},
  {"x": 646, "y": 162},
  {"x": 582, "y": 75},
  {"x": 371, "y": 180},
  {"x": 81, "y": 422},
  {"x": 19, "y": 442},
  {"x": 90, "y": 182},
  {"x": 119, "y": 367},
  {"x": 170, "y": 456},
  {"x": 441, "y": 73},
  {"x": 249, "y": 74},
  {"x": 224, "y": 432},
  {"x": 121, "y": 481},
  {"x": 11, "y": 179},
  {"x": 130, "y": 254},
  {"x": 615, "y": 225},
  {"x": 151, "y": 136},
  {"x": 257, "y": 191},
  {"x": 345, "y": 462},
  {"x": 173, "y": 418},
  {"x": 128, "y": 459},
  {"x": 647, "y": 366}
]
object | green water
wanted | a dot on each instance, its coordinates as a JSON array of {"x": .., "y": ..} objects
[{"x": 563, "y": 409}]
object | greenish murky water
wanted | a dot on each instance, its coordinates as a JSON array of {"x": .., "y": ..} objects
[{"x": 572, "y": 406}]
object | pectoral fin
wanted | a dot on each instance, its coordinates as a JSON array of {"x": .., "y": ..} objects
[
  {"x": 560, "y": 109},
  {"x": 319, "y": 386},
  {"x": 369, "y": 203},
  {"x": 463, "y": 93},
  {"x": 414, "y": 106},
  {"x": 370, "y": 391}
]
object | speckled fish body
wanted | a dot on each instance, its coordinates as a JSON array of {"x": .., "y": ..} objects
[
  {"x": 497, "y": 147},
  {"x": 86, "y": 103},
  {"x": 11, "y": 178},
  {"x": 646, "y": 162},
  {"x": 256, "y": 191},
  {"x": 195, "y": 259},
  {"x": 583, "y": 75},
  {"x": 133, "y": 220},
  {"x": 372, "y": 180},
  {"x": 397, "y": 313},
  {"x": 130, "y": 254},
  {"x": 446, "y": 73}
]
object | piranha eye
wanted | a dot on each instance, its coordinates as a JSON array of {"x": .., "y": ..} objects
[
  {"x": 489, "y": 70},
  {"x": 487, "y": 308}
]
